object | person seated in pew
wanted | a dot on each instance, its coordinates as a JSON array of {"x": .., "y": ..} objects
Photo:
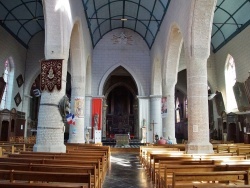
[
  {"x": 169, "y": 141},
  {"x": 162, "y": 141}
]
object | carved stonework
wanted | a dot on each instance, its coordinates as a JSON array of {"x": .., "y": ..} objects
[{"x": 122, "y": 39}]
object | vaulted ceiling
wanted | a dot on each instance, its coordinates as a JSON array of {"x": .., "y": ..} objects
[{"x": 24, "y": 18}]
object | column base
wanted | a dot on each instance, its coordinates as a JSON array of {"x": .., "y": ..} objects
[
  {"x": 81, "y": 141},
  {"x": 194, "y": 148},
  {"x": 50, "y": 148}
]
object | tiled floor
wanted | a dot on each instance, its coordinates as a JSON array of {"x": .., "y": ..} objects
[{"x": 126, "y": 172}]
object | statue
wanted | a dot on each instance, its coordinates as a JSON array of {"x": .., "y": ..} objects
[
  {"x": 96, "y": 119},
  {"x": 87, "y": 137}
]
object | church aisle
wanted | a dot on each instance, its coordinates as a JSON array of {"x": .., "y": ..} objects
[{"x": 126, "y": 172}]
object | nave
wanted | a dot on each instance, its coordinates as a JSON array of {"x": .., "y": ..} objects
[{"x": 126, "y": 171}]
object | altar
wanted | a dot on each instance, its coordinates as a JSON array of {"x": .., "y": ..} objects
[{"x": 122, "y": 139}]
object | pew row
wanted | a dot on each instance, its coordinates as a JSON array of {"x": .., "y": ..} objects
[
  {"x": 187, "y": 179},
  {"x": 83, "y": 179}
]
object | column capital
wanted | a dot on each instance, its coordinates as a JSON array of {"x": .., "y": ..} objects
[
  {"x": 99, "y": 96},
  {"x": 155, "y": 96},
  {"x": 142, "y": 97}
]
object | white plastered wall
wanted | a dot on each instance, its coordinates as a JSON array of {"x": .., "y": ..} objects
[
  {"x": 11, "y": 48},
  {"x": 239, "y": 48},
  {"x": 133, "y": 56}
]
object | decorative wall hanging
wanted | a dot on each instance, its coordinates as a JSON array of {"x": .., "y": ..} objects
[
  {"x": 51, "y": 74},
  {"x": 18, "y": 99},
  {"x": 19, "y": 80},
  {"x": 79, "y": 106}
]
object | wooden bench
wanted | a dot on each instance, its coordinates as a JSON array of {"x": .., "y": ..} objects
[
  {"x": 83, "y": 179},
  {"x": 65, "y": 156},
  {"x": 80, "y": 163},
  {"x": 95, "y": 177},
  {"x": 187, "y": 179},
  {"x": 161, "y": 157},
  {"x": 219, "y": 186},
  {"x": 38, "y": 185},
  {"x": 160, "y": 172}
]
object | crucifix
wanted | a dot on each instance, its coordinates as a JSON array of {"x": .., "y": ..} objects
[{"x": 153, "y": 126}]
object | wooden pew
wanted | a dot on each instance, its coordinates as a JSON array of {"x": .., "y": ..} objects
[
  {"x": 219, "y": 186},
  {"x": 181, "y": 179},
  {"x": 65, "y": 156},
  {"x": 160, "y": 172},
  {"x": 54, "y": 168},
  {"x": 80, "y": 163},
  {"x": 161, "y": 157},
  {"x": 38, "y": 185},
  {"x": 166, "y": 179},
  {"x": 83, "y": 179},
  {"x": 80, "y": 147}
]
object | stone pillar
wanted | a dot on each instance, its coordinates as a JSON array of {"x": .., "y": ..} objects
[
  {"x": 198, "y": 124},
  {"x": 88, "y": 114},
  {"x": 144, "y": 117},
  {"x": 50, "y": 129},
  {"x": 155, "y": 114},
  {"x": 169, "y": 121},
  {"x": 76, "y": 132}
]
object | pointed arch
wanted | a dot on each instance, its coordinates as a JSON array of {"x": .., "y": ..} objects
[
  {"x": 88, "y": 77},
  {"x": 111, "y": 69},
  {"x": 172, "y": 57}
]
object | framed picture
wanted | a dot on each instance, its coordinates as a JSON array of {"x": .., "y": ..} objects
[
  {"x": 18, "y": 99},
  {"x": 19, "y": 80}
]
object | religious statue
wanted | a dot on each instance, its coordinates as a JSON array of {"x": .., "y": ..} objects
[
  {"x": 87, "y": 137},
  {"x": 96, "y": 119}
]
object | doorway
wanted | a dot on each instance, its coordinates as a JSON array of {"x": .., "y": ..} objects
[{"x": 5, "y": 131}]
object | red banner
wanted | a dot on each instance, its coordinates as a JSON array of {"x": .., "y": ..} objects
[
  {"x": 51, "y": 74},
  {"x": 97, "y": 113}
]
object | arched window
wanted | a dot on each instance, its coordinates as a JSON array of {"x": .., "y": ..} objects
[
  {"x": 177, "y": 111},
  {"x": 6, "y": 79},
  {"x": 230, "y": 78}
]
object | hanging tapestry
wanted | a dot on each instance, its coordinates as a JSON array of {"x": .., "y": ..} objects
[
  {"x": 51, "y": 74},
  {"x": 79, "y": 107},
  {"x": 97, "y": 113}
]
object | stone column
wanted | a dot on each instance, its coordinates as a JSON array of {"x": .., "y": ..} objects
[
  {"x": 169, "y": 121},
  {"x": 50, "y": 129},
  {"x": 144, "y": 117},
  {"x": 198, "y": 124},
  {"x": 76, "y": 132},
  {"x": 88, "y": 114},
  {"x": 155, "y": 114}
]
